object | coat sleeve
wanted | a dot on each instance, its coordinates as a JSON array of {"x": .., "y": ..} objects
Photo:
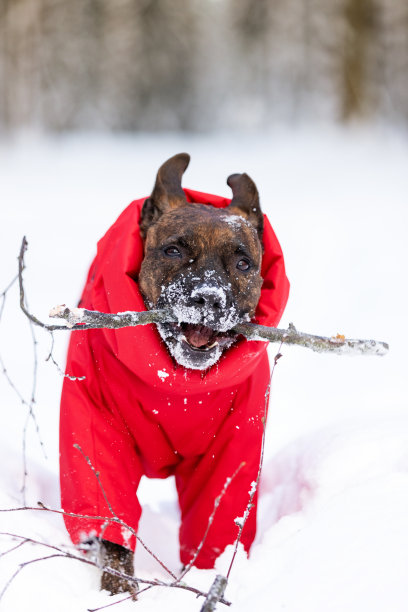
[{"x": 91, "y": 434}]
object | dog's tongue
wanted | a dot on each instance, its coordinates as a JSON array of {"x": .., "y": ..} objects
[{"x": 198, "y": 335}]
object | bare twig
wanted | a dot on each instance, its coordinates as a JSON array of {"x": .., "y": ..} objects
[
  {"x": 12, "y": 385},
  {"x": 29, "y": 404},
  {"x": 6, "y": 552},
  {"x": 3, "y": 297},
  {"x": 4, "y": 292},
  {"x": 31, "y": 413},
  {"x": 242, "y": 520},
  {"x": 60, "y": 552},
  {"x": 210, "y": 520},
  {"x": 59, "y": 369},
  {"x": 9, "y": 581},
  {"x": 115, "y": 603},
  {"x": 119, "y": 520}
]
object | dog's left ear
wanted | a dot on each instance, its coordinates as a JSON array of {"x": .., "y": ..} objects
[
  {"x": 245, "y": 200},
  {"x": 167, "y": 192}
]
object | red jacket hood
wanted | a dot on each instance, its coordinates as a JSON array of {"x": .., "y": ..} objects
[{"x": 111, "y": 287}]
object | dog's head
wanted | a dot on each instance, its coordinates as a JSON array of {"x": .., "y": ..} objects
[{"x": 201, "y": 262}]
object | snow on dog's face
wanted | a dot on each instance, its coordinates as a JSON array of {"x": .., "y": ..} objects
[{"x": 201, "y": 262}]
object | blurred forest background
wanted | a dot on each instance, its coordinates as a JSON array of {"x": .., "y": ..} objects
[{"x": 200, "y": 65}]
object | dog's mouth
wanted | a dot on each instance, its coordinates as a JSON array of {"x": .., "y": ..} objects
[
  {"x": 195, "y": 346},
  {"x": 202, "y": 338}
]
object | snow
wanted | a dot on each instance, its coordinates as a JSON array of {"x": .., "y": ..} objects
[
  {"x": 162, "y": 374},
  {"x": 332, "y": 530},
  {"x": 236, "y": 221},
  {"x": 177, "y": 295}
]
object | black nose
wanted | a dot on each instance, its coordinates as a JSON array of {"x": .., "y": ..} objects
[
  {"x": 209, "y": 297},
  {"x": 207, "y": 300}
]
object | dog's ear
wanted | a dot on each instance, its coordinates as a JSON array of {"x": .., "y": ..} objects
[
  {"x": 245, "y": 200},
  {"x": 167, "y": 192}
]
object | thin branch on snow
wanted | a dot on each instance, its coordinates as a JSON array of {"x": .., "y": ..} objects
[
  {"x": 242, "y": 520},
  {"x": 28, "y": 403},
  {"x": 3, "y": 297},
  {"x": 60, "y": 552},
  {"x": 81, "y": 318},
  {"x": 114, "y": 519},
  {"x": 6, "y": 552},
  {"x": 210, "y": 521},
  {"x": 119, "y": 520},
  {"x": 31, "y": 414},
  {"x": 214, "y": 591},
  {"x": 4, "y": 292},
  {"x": 220, "y": 583},
  {"x": 115, "y": 603},
  {"x": 59, "y": 369}
]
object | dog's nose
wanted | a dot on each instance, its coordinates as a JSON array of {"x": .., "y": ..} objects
[
  {"x": 209, "y": 300},
  {"x": 209, "y": 296}
]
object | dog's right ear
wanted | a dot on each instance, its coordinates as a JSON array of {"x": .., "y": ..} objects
[{"x": 167, "y": 192}]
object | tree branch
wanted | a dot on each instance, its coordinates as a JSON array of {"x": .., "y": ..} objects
[
  {"x": 338, "y": 344},
  {"x": 215, "y": 594},
  {"x": 240, "y": 522},
  {"x": 116, "y": 517},
  {"x": 61, "y": 552},
  {"x": 210, "y": 522}
]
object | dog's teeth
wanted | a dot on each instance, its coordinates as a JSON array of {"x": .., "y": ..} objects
[{"x": 205, "y": 348}]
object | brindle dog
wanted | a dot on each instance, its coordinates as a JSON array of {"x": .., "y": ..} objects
[{"x": 202, "y": 263}]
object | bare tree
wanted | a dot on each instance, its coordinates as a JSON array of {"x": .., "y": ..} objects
[
  {"x": 360, "y": 28},
  {"x": 198, "y": 64}
]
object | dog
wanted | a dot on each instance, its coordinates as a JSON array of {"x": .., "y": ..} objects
[{"x": 190, "y": 400}]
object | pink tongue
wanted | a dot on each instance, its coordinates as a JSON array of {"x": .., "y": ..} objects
[{"x": 198, "y": 336}]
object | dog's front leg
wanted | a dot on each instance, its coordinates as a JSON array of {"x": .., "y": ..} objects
[{"x": 121, "y": 559}]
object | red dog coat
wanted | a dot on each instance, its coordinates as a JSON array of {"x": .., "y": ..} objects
[{"x": 139, "y": 413}]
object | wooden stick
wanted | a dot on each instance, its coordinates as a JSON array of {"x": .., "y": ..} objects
[{"x": 81, "y": 318}]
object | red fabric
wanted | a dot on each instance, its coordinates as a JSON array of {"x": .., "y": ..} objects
[{"x": 139, "y": 413}]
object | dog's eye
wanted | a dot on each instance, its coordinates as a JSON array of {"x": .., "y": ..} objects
[
  {"x": 172, "y": 251},
  {"x": 243, "y": 265}
]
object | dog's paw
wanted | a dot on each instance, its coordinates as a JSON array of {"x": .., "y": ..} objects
[
  {"x": 117, "y": 558},
  {"x": 116, "y": 584}
]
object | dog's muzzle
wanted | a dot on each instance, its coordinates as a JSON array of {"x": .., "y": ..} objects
[{"x": 206, "y": 313}]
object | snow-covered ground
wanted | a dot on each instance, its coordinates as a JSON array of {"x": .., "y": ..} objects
[{"x": 333, "y": 527}]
